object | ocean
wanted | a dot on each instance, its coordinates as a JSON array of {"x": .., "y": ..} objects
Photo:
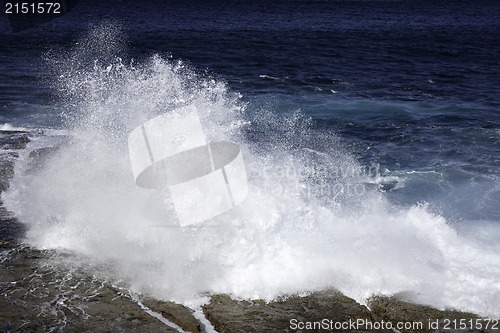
[{"x": 370, "y": 132}]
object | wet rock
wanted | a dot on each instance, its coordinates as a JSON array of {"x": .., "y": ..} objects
[
  {"x": 39, "y": 157},
  {"x": 433, "y": 320},
  {"x": 176, "y": 313},
  {"x": 327, "y": 307},
  {"x": 42, "y": 153},
  {"x": 39, "y": 297},
  {"x": 10, "y": 231},
  {"x": 10, "y": 228},
  {"x": 6, "y": 173},
  {"x": 10, "y": 140},
  {"x": 15, "y": 140}
]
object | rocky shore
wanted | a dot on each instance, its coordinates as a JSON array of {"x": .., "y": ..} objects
[{"x": 39, "y": 295}]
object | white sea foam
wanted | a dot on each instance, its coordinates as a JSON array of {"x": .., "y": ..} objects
[
  {"x": 10, "y": 127},
  {"x": 308, "y": 223}
]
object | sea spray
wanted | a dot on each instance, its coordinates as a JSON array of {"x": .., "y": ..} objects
[{"x": 311, "y": 219}]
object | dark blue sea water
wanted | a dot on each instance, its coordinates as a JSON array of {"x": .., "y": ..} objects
[
  {"x": 410, "y": 90},
  {"x": 411, "y": 85}
]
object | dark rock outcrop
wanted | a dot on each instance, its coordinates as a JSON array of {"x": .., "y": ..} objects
[
  {"x": 176, "y": 313},
  {"x": 433, "y": 320},
  {"x": 326, "y": 309},
  {"x": 36, "y": 297}
]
